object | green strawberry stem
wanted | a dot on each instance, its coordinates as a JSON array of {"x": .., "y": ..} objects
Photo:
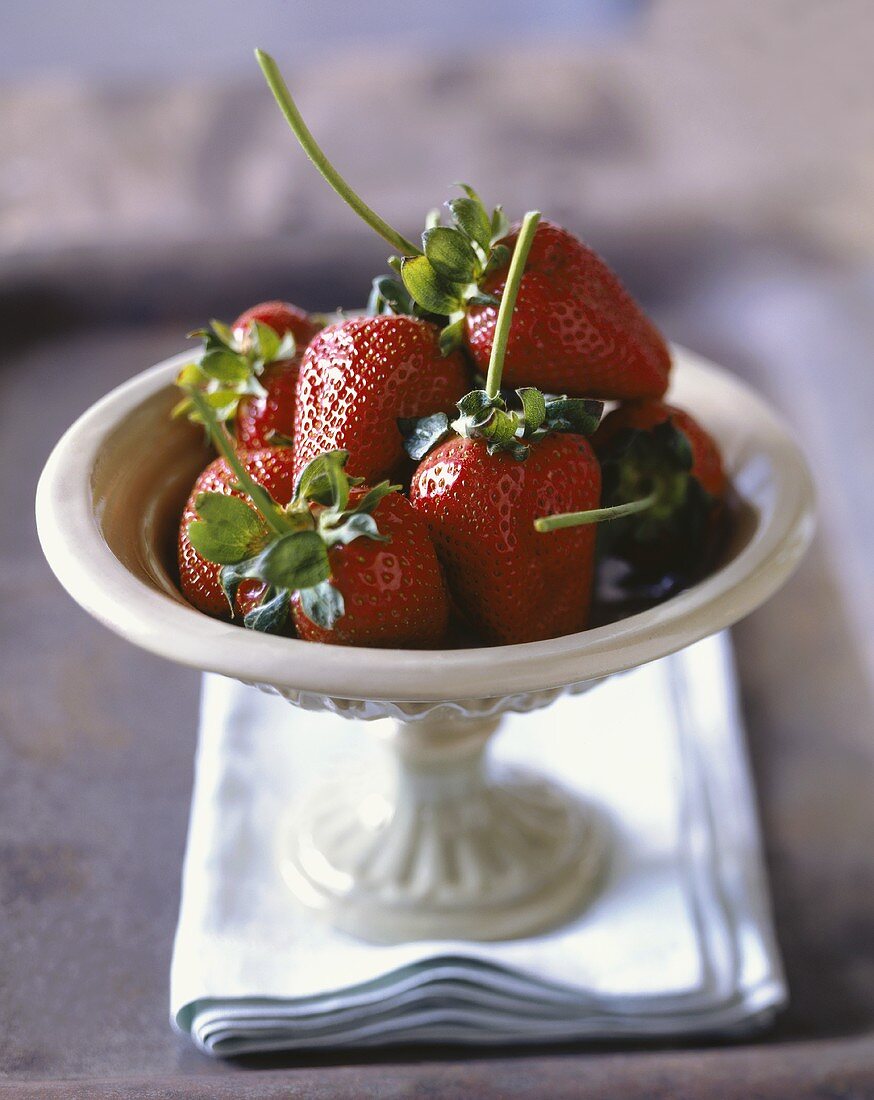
[
  {"x": 595, "y": 515},
  {"x": 259, "y": 496},
  {"x": 508, "y": 301},
  {"x": 312, "y": 149}
]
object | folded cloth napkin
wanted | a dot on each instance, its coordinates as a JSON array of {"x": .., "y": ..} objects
[{"x": 679, "y": 940}]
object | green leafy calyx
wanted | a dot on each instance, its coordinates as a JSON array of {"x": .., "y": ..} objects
[
  {"x": 658, "y": 462},
  {"x": 500, "y": 427},
  {"x": 443, "y": 280},
  {"x": 229, "y": 366},
  {"x": 648, "y": 495}
]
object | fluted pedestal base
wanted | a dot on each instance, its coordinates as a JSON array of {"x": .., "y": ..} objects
[{"x": 433, "y": 843}]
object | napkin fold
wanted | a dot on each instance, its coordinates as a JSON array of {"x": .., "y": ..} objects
[{"x": 679, "y": 941}]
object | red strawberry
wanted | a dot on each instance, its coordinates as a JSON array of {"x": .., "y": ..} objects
[
  {"x": 393, "y": 591},
  {"x": 650, "y": 448},
  {"x": 359, "y": 377},
  {"x": 576, "y": 330},
  {"x": 354, "y": 566},
  {"x": 199, "y": 578},
  {"x": 513, "y": 583},
  {"x": 260, "y": 417}
]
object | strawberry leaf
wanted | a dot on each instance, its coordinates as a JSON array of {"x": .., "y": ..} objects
[
  {"x": 498, "y": 258},
  {"x": 499, "y": 430},
  {"x": 450, "y": 254},
  {"x": 480, "y": 299},
  {"x": 189, "y": 375},
  {"x": 296, "y": 560},
  {"x": 500, "y": 226},
  {"x": 533, "y": 408},
  {"x": 451, "y": 336},
  {"x": 324, "y": 481},
  {"x": 470, "y": 216},
  {"x": 230, "y": 577},
  {"x": 182, "y": 408},
  {"x": 422, "y": 434},
  {"x": 389, "y": 295},
  {"x": 265, "y": 341},
  {"x": 477, "y": 408},
  {"x": 580, "y": 415},
  {"x": 220, "y": 334},
  {"x": 353, "y": 526},
  {"x": 427, "y": 287},
  {"x": 225, "y": 367},
  {"x": 227, "y": 531},
  {"x": 270, "y": 615},
  {"x": 373, "y": 496},
  {"x": 470, "y": 192},
  {"x": 322, "y": 604}
]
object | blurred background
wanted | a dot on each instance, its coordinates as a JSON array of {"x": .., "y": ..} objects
[{"x": 721, "y": 156}]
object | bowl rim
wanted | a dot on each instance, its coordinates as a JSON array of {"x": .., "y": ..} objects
[{"x": 68, "y": 525}]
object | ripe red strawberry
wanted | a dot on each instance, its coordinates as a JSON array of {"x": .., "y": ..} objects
[
  {"x": 393, "y": 591},
  {"x": 199, "y": 578},
  {"x": 576, "y": 330},
  {"x": 350, "y": 565},
  {"x": 513, "y": 583},
  {"x": 261, "y": 417},
  {"x": 649, "y": 447},
  {"x": 359, "y": 377}
]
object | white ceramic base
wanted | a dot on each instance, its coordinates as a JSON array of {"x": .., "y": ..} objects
[{"x": 432, "y": 842}]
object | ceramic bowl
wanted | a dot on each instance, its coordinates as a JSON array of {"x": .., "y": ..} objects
[{"x": 112, "y": 490}]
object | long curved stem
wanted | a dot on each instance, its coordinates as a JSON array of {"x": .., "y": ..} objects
[
  {"x": 313, "y": 150},
  {"x": 259, "y": 496},
  {"x": 596, "y": 515},
  {"x": 508, "y": 301}
]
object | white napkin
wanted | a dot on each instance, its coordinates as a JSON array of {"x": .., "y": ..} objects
[{"x": 679, "y": 941}]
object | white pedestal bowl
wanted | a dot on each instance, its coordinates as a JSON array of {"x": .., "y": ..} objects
[{"x": 435, "y": 844}]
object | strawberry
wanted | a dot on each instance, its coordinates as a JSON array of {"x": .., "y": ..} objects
[
  {"x": 577, "y": 330},
  {"x": 512, "y": 583},
  {"x": 482, "y": 489},
  {"x": 646, "y": 416},
  {"x": 198, "y": 578},
  {"x": 352, "y": 565},
  {"x": 248, "y": 371},
  {"x": 360, "y": 376},
  {"x": 262, "y": 417},
  {"x": 651, "y": 450}
]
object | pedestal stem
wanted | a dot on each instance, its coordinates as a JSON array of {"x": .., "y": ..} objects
[{"x": 435, "y": 842}]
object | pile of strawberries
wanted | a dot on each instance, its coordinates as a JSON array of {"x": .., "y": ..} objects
[{"x": 443, "y": 458}]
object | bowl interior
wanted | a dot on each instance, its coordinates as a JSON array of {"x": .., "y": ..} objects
[
  {"x": 140, "y": 483},
  {"x": 113, "y": 490}
]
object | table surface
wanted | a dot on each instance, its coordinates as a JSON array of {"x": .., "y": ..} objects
[{"x": 97, "y": 738}]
